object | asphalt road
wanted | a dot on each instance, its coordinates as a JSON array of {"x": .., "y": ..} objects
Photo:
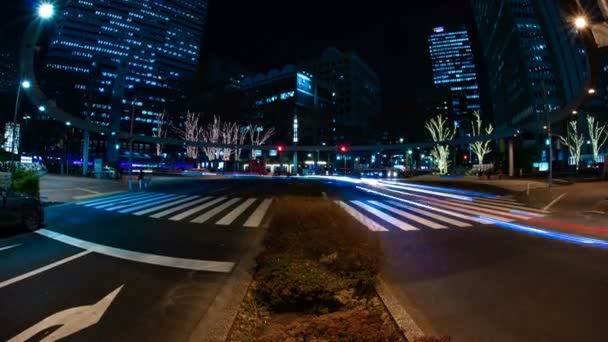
[{"x": 147, "y": 266}]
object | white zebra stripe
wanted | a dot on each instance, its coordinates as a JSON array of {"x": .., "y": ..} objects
[
  {"x": 128, "y": 200},
  {"x": 208, "y": 215},
  {"x": 431, "y": 215},
  {"x": 234, "y": 214},
  {"x": 138, "y": 202},
  {"x": 195, "y": 210},
  {"x": 171, "y": 199},
  {"x": 397, "y": 223},
  {"x": 133, "y": 196},
  {"x": 364, "y": 220},
  {"x": 256, "y": 218},
  {"x": 409, "y": 216},
  {"x": 157, "y": 208}
]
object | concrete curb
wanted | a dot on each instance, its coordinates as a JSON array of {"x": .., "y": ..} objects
[
  {"x": 216, "y": 323},
  {"x": 404, "y": 320}
]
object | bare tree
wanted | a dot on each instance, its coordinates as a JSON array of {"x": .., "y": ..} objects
[
  {"x": 574, "y": 141},
  {"x": 480, "y": 148},
  {"x": 160, "y": 131},
  {"x": 191, "y": 132},
  {"x": 598, "y": 134},
  {"x": 212, "y": 134},
  {"x": 230, "y": 133},
  {"x": 259, "y": 137},
  {"x": 440, "y": 132}
]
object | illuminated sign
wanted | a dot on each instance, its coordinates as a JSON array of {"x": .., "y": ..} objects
[{"x": 438, "y": 29}]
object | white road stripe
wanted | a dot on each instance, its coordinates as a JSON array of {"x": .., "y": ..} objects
[
  {"x": 106, "y": 198},
  {"x": 128, "y": 200},
  {"x": 42, "y": 269},
  {"x": 409, "y": 216},
  {"x": 196, "y": 209},
  {"x": 153, "y": 259},
  {"x": 116, "y": 200},
  {"x": 157, "y": 208},
  {"x": 178, "y": 208},
  {"x": 233, "y": 215},
  {"x": 171, "y": 199},
  {"x": 257, "y": 216},
  {"x": 364, "y": 220},
  {"x": 471, "y": 211},
  {"x": 530, "y": 211},
  {"x": 484, "y": 210},
  {"x": 9, "y": 247},
  {"x": 397, "y": 223},
  {"x": 206, "y": 216},
  {"x": 431, "y": 215},
  {"x": 138, "y": 202}
]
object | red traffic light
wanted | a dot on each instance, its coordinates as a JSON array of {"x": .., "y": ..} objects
[
  {"x": 280, "y": 148},
  {"x": 343, "y": 149},
  {"x": 465, "y": 157}
]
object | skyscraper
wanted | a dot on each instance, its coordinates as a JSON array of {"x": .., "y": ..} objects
[
  {"x": 111, "y": 58},
  {"x": 453, "y": 65},
  {"x": 534, "y": 65}
]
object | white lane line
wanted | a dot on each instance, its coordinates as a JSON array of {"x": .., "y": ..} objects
[
  {"x": 431, "y": 215},
  {"x": 146, "y": 258},
  {"x": 116, "y": 200},
  {"x": 171, "y": 199},
  {"x": 233, "y": 215},
  {"x": 160, "y": 207},
  {"x": 256, "y": 218},
  {"x": 196, "y": 209},
  {"x": 42, "y": 269},
  {"x": 554, "y": 201},
  {"x": 128, "y": 200},
  {"x": 9, "y": 247},
  {"x": 409, "y": 216},
  {"x": 364, "y": 220},
  {"x": 397, "y": 223},
  {"x": 180, "y": 207},
  {"x": 106, "y": 198},
  {"x": 208, "y": 215},
  {"x": 138, "y": 202}
]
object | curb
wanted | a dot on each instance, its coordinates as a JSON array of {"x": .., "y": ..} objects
[
  {"x": 404, "y": 320},
  {"x": 216, "y": 323}
]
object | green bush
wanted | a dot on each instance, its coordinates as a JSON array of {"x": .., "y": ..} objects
[{"x": 25, "y": 182}]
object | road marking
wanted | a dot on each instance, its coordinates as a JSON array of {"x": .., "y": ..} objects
[
  {"x": 554, "y": 201},
  {"x": 258, "y": 215},
  {"x": 42, "y": 269},
  {"x": 88, "y": 190},
  {"x": 178, "y": 208},
  {"x": 163, "y": 206},
  {"x": 70, "y": 321},
  {"x": 129, "y": 203},
  {"x": 122, "y": 200},
  {"x": 196, "y": 209},
  {"x": 431, "y": 215},
  {"x": 170, "y": 199},
  {"x": 83, "y": 197},
  {"x": 501, "y": 203},
  {"x": 364, "y": 220},
  {"x": 145, "y": 258},
  {"x": 105, "y": 198},
  {"x": 228, "y": 219},
  {"x": 409, "y": 216},
  {"x": 397, "y": 223},
  {"x": 522, "y": 209},
  {"x": 206, "y": 216},
  {"x": 9, "y": 247},
  {"x": 155, "y": 198}
]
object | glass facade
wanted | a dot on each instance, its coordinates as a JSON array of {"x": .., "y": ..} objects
[
  {"x": 8, "y": 72},
  {"x": 527, "y": 49},
  {"x": 111, "y": 58},
  {"x": 453, "y": 65}
]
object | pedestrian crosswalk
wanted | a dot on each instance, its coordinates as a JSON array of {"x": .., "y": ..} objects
[
  {"x": 430, "y": 213},
  {"x": 222, "y": 211}
]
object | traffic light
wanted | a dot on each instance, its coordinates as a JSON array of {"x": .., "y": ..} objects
[
  {"x": 280, "y": 148},
  {"x": 343, "y": 149},
  {"x": 465, "y": 157}
]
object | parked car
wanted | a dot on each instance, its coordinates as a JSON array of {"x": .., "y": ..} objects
[{"x": 20, "y": 210}]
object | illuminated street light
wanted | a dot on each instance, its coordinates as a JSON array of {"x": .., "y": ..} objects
[
  {"x": 591, "y": 91},
  {"x": 574, "y": 112},
  {"x": 46, "y": 10},
  {"x": 42, "y": 108},
  {"x": 26, "y": 84},
  {"x": 68, "y": 123},
  {"x": 580, "y": 22}
]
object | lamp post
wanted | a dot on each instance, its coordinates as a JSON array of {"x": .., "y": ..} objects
[{"x": 25, "y": 84}]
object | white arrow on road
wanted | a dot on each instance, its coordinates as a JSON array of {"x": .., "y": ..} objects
[{"x": 71, "y": 320}]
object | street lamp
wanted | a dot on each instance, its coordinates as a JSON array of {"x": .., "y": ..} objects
[
  {"x": 26, "y": 84},
  {"x": 591, "y": 91},
  {"x": 46, "y": 10},
  {"x": 42, "y": 109},
  {"x": 580, "y": 22}
]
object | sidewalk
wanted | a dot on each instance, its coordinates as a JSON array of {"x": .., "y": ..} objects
[{"x": 61, "y": 189}]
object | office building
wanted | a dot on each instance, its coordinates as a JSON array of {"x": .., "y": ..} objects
[
  {"x": 356, "y": 93},
  {"x": 535, "y": 63},
  {"x": 434, "y": 101},
  {"x": 110, "y": 60},
  {"x": 292, "y": 101},
  {"x": 9, "y": 79},
  {"x": 454, "y": 67}
]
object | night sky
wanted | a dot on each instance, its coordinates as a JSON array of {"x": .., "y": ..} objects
[{"x": 390, "y": 35}]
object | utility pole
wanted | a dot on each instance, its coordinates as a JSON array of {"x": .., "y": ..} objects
[{"x": 548, "y": 125}]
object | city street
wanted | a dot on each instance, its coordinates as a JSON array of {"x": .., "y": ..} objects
[{"x": 148, "y": 265}]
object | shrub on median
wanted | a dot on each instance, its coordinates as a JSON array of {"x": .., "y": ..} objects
[
  {"x": 313, "y": 253},
  {"x": 26, "y": 182}
]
